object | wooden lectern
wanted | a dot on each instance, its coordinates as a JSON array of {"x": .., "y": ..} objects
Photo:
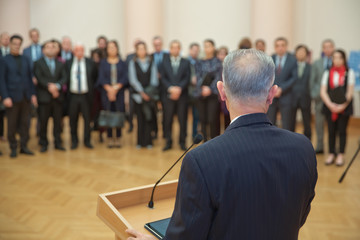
[{"x": 128, "y": 208}]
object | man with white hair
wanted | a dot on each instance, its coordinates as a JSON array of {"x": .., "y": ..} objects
[
  {"x": 255, "y": 181},
  {"x": 4, "y": 44},
  {"x": 82, "y": 75}
]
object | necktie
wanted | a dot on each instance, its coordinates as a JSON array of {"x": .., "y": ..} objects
[
  {"x": 52, "y": 66},
  {"x": 78, "y": 76},
  {"x": 278, "y": 69},
  {"x": 300, "y": 69},
  {"x": 175, "y": 66}
]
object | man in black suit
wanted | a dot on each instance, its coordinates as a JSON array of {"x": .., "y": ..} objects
[
  {"x": 4, "y": 44},
  {"x": 17, "y": 90},
  {"x": 51, "y": 76},
  {"x": 255, "y": 181},
  {"x": 285, "y": 77},
  {"x": 81, "y": 74},
  {"x": 175, "y": 79},
  {"x": 301, "y": 89}
]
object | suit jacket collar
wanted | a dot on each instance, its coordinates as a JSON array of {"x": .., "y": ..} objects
[{"x": 250, "y": 119}]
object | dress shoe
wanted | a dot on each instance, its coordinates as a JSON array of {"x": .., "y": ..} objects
[
  {"x": 26, "y": 151},
  {"x": 74, "y": 145},
  {"x": 13, "y": 153},
  {"x": 339, "y": 160},
  {"x": 319, "y": 151},
  {"x": 43, "y": 149},
  {"x": 330, "y": 159},
  {"x": 88, "y": 145},
  {"x": 182, "y": 146},
  {"x": 167, "y": 147},
  {"x": 59, "y": 147}
]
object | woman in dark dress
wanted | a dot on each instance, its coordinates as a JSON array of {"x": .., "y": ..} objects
[
  {"x": 113, "y": 79},
  {"x": 208, "y": 73},
  {"x": 337, "y": 114},
  {"x": 142, "y": 77}
]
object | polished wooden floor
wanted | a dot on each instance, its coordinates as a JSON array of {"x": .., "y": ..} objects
[{"x": 54, "y": 195}]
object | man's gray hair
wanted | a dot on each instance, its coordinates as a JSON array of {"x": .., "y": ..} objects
[{"x": 248, "y": 75}]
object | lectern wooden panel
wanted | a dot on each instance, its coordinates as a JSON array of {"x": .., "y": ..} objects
[{"x": 128, "y": 208}]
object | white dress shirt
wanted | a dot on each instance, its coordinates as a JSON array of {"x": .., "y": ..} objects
[{"x": 74, "y": 84}]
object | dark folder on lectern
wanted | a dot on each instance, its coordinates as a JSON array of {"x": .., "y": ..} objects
[
  {"x": 158, "y": 228},
  {"x": 337, "y": 95}
]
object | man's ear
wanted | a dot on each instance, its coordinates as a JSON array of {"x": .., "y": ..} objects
[
  {"x": 271, "y": 94},
  {"x": 220, "y": 87}
]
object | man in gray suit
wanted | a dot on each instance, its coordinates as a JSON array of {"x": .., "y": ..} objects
[
  {"x": 285, "y": 77},
  {"x": 317, "y": 70}
]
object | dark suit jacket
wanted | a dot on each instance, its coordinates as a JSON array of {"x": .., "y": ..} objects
[
  {"x": 181, "y": 78},
  {"x": 286, "y": 79},
  {"x": 105, "y": 78},
  {"x": 16, "y": 84},
  {"x": 255, "y": 181},
  {"x": 91, "y": 76},
  {"x": 301, "y": 88},
  {"x": 27, "y": 53},
  {"x": 44, "y": 76}
]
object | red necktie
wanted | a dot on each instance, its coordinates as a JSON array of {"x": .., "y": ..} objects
[{"x": 278, "y": 69}]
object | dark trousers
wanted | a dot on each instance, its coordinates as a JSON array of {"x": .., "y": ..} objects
[
  {"x": 79, "y": 103},
  {"x": 114, "y": 108},
  {"x": 53, "y": 108},
  {"x": 306, "y": 117},
  {"x": 286, "y": 111},
  {"x": 144, "y": 127},
  {"x": 209, "y": 114},
  {"x": 18, "y": 120},
  {"x": 337, "y": 127},
  {"x": 196, "y": 120},
  {"x": 2, "y": 115},
  {"x": 180, "y": 108}
]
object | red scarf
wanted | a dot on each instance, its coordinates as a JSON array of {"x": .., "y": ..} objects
[{"x": 341, "y": 71}]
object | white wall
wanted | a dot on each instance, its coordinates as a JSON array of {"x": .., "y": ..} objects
[
  {"x": 82, "y": 20},
  {"x": 225, "y": 22}
]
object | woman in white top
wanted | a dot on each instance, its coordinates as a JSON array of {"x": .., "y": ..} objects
[{"x": 337, "y": 89}]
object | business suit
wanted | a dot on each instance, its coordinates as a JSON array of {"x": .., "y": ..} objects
[
  {"x": 29, "y": 54},
  {"x": 180, "y": 78},
  {"x": 301, "y": 97},
  {"x": 49, "y": 106},
  {"x": 317, "y": 71},
  {"x": 80, "y": 101},
  {"x": 285, "y": 79},
  {"x": 255, "y": 181},
  {"x": 16, "y": 84}
]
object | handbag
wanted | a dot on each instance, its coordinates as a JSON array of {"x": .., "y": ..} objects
[{"x": 111, "y": 119}]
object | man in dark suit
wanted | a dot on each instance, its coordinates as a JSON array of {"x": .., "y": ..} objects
[
  {"x": 66, "y": 48},
  {"x": 81, "y": 74},
  {"x": 4, "y": 44},
  {"x": 51, "y": 76},
  {"x": 33, "y": 52},
  {"x": 301, "y": 89},
  {"x": 255, "y": 181},
  {"x": 17, "y": 90},
  {"x": 285, "y": 77},
  {"x": 175, "y": 79}
]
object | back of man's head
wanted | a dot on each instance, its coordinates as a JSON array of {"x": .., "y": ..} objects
[{"x": 248, "y": 76}]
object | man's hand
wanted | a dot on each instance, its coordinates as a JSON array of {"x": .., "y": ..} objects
[
  {"x": 138, "y": 236},
  {"x": 35, "y": 81},
  {"x": 145, "y": 96},
  {"x": 205, "y": 91},
  {"x": 175, "y": 92},
  {"x": 34, "y": 100},
  {"x": 278, "y": 92},
  {"x": 8, "y": 102},
  {"x": 53, "y": 89}
]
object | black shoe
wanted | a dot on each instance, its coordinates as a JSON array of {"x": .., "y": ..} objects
[
  {"x": 88, "y": 145},
  {"x": 0, "y": 153},
  {"x": 13, "y": 153},
  {"x": 319, "y": 151},
  {"x": 43, "y": 149},
  {"x": 101, "y": 138},
  {"x": 26, "y": 151},
  {"x": 74, "y": 145},
  {"x": 59, "y": 147},
  {"x": 167, "y": 147},
  {"x": 182, "y": 146}
]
